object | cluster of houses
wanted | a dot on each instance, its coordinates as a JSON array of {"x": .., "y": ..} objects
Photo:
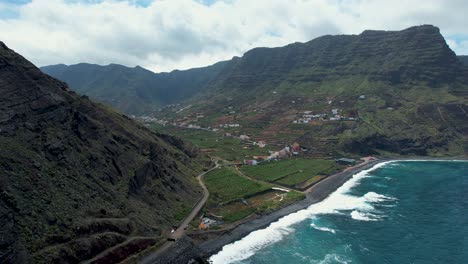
[
  {"x": 194, "y": 126},
  {"x": 207, "y": 222},
  {"x": 286, "y": 152},
  {"x": 149, "y": 119},
  {"x": 335, "y": 115},
  {"x": 243, "y": 137},
  {"x": 307, "y": 117},
  {"x": 229, "y": 125},
  {"x": 260, "y": 144}
]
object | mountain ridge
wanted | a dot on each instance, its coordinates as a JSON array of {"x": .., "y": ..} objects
[
  {"x": 77, "y": 178},
  {"x": 319, "y": 54},
  {"x": 133, "y": 90},
  {"x": 414, "y": 85}
]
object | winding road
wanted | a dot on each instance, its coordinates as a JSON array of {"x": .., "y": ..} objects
[{"x": 180, "y": 231}]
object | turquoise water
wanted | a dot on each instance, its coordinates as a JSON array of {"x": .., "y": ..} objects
[{"x": 400, "y": 212}]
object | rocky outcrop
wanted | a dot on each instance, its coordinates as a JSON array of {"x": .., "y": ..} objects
[{"x": 77, "y": 178}]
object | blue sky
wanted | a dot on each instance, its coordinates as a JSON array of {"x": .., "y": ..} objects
[
  {"x": 15, "y": 2},
  {"x": 12, "y": 13},
  {"x": 163, "y": 35}
]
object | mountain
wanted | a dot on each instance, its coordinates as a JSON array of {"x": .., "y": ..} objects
[
  {"x": 401, "y": 92},
  {"x": 133, "y": 90},
  {"x": 415, "y": 55},
  {"x": 463, "y": 59},
  {"x": 78, "y": 180}
]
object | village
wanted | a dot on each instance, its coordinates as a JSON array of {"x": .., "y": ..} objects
[
  {"x": 254, "y": 170},
  {"x": 335, "y": 114}
]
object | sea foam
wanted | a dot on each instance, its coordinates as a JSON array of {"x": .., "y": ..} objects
[
  {"x": 338, "y": 201},
  {"x": 322, "y": 228}
]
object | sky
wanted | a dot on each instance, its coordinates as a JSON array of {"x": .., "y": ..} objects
[{"x": 163, "y": 35}]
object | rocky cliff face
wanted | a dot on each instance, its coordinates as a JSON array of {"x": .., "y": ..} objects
[
  {"x": 415, "y": 55},
  {"x": 77, "y": 178}
]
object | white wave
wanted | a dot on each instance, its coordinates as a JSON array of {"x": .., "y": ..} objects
[
  {"x": 335, "y": 202},
  {"x": 375, "y": 197},
  {"x": 362, "y": 216},
  {"x": 321, "y": 228},
  {"x": 333, "y": 258}
]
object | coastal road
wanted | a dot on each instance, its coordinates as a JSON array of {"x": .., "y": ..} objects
[{"x": 180, "y": 231}]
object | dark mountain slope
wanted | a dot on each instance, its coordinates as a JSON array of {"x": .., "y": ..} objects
[
  {"x": 77, "y": 178},
  {"x": 133, "y": 90},
  {"x": 463, "y": 59}
]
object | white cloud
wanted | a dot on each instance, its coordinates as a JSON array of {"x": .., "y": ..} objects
[{"x": 171, "y": 34}]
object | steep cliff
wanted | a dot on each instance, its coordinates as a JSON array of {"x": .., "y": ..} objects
[{"x": 77, "y": 178}]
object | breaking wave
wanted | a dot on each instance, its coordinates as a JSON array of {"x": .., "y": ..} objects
[
  {"x": 336, "y": 203},
  {"x": 321, "y": 228},
  {"x": 362, "y": 216}
]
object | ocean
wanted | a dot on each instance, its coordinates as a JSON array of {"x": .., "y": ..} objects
[{"x": 395, "y": 212}]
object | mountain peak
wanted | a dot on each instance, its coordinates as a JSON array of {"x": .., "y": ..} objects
[{"x": 428, "y": 29}]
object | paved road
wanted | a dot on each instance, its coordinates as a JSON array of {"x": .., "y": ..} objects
[{"x": 180, "y": 231}]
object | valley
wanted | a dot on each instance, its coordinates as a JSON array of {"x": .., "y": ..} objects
[{"x": 191, "y": 160}]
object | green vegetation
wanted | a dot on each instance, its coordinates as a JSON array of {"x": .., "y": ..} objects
[
  {"x": 265, "y": 202},
  {"x": 225, "y": 184},
  {"x": 215, "y": 144},
  {"x": 291, "y": 171},
  {"x": 182, "y": 212},
  {"x": 231, "y": 216}
]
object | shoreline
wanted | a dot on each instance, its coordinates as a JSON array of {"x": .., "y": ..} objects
[
  {"x": 320, "y": 191},
  {"x": 186, "y": 250}
]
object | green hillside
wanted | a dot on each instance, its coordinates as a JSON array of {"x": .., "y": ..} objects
[
  {"x": 401, "y": 92},
  {"x": 133, "y": 90}
]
